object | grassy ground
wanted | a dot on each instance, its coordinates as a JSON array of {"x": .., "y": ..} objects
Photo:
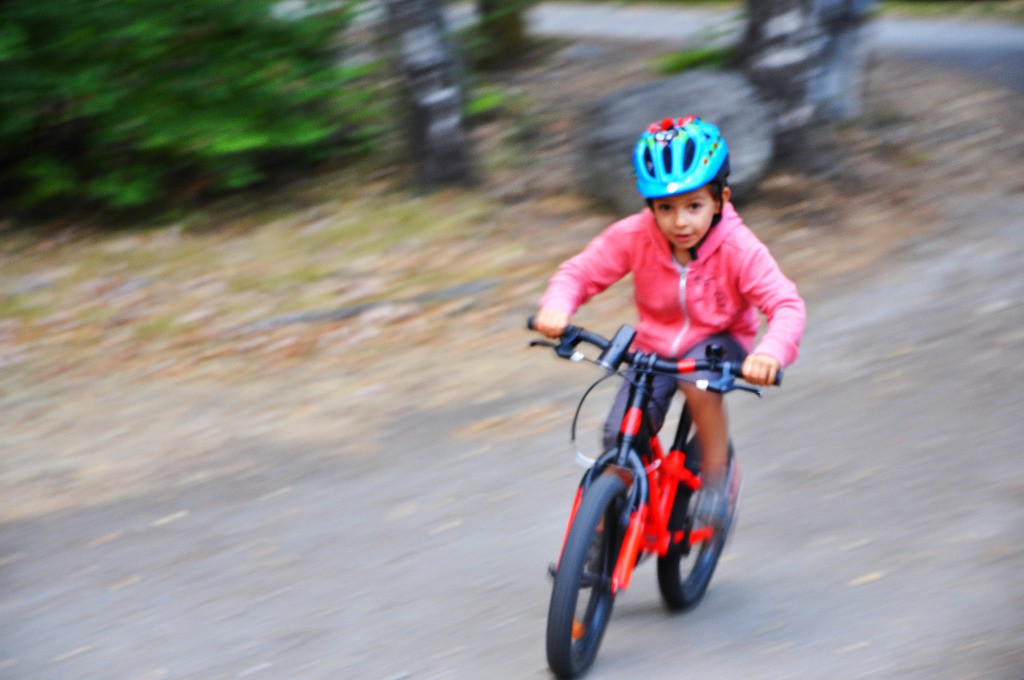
[{"x": 197, "y": 284}]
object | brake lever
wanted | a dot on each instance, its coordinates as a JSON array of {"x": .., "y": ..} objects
[
  {"x": 749, "y": 388},
  {"x": 563, "y": 349},
  {"x": 726, "y": 381},
  {"x": 726, "y": 385}
]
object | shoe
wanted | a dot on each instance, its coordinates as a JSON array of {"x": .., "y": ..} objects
[{"x": 712, "y": 508}]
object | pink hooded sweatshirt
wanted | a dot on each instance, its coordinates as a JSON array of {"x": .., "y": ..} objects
[{"x": 732, "y": 277}]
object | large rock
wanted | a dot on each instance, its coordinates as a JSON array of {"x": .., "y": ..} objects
[{"x": 720, "y": 97}]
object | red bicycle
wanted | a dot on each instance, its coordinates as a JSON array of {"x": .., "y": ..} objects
[{"x": 634, "y": 502}]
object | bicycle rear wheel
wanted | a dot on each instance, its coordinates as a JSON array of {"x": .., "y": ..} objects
[
  {"x": 582, "y": 598},
  {"x": 685, "y": 572}
]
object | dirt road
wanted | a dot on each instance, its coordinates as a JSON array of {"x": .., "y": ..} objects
[{"x": 349, "y": 518}]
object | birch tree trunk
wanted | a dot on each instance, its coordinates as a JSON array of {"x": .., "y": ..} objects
[
  {"x": 428, "y": 65},
  {"x": 807, "y": 57}
]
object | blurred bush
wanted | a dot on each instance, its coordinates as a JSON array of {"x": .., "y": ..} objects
[
  {"x": 123, "y": 104},
  {"x": 500, "y": 37}
]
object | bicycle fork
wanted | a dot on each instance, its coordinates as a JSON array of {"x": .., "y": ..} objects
[
  {"x": 630, "y": 549},
  {"x": 631, "y": 541}
]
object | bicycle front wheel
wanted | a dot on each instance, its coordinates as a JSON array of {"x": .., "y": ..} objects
[{"x": 582, "y": 597}]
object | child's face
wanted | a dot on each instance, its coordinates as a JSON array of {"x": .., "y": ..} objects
[{"x": 684, "y": 219}]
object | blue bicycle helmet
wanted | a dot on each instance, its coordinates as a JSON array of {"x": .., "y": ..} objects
[{"x": 674, "y": 156}]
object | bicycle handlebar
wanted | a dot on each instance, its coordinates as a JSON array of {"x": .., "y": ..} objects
[{"x": 615, "y": 352}]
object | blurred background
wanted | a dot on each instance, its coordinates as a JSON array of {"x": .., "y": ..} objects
[{"x": 265, "y": 400}]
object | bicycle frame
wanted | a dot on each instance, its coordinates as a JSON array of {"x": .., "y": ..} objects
[{"x": 654, "y": 479}]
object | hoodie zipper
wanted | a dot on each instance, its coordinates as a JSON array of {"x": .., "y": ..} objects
[{"x": 683, "y": 271}]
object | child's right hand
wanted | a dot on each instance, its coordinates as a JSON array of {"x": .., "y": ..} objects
[{"x": 550, "y": 322}]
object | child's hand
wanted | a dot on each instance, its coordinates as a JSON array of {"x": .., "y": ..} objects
[
  {"x": 550, "y": 322},
  {"x": 760, "y": 369}
]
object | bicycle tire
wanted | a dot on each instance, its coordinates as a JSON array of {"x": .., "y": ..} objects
[
  {"x": 588, "y": 560},
  {"x": 683, "y": 574}
]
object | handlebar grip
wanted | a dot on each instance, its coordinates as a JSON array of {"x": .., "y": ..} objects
[
  {"x": 529, "y": 323},
  {"x": 778, "y": 378}
]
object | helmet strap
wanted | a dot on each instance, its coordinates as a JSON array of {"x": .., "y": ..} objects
[{"x": 715, "y": 219}]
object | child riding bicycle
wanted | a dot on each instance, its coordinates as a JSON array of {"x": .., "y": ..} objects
[{"x": 700, "y": 277}]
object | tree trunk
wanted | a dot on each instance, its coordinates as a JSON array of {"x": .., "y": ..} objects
[
  {"x": 807, "y": 57},
  {"x": 782, "y": 50},
  {"x": 840, "y": 90},
  {"x": 428, "y": 66}
]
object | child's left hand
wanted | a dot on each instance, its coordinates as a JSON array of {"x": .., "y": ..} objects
[{"x": 761, "y": 369}]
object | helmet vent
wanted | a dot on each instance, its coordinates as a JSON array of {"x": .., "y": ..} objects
[
  {"x": 649, "y": 162},
  {"x": 666, "y": 158},
  {"x": 689, "y": 151}
]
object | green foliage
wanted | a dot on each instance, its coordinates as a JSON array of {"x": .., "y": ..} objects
[
  {"x": 485, "y": 102},
  {"x": 126, "y": 103},
  {"x": 496, "y": 9},
  {"x": 704, "y": 57}
]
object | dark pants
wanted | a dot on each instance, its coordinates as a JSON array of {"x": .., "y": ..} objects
[{"x": 664, "y": 387}]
